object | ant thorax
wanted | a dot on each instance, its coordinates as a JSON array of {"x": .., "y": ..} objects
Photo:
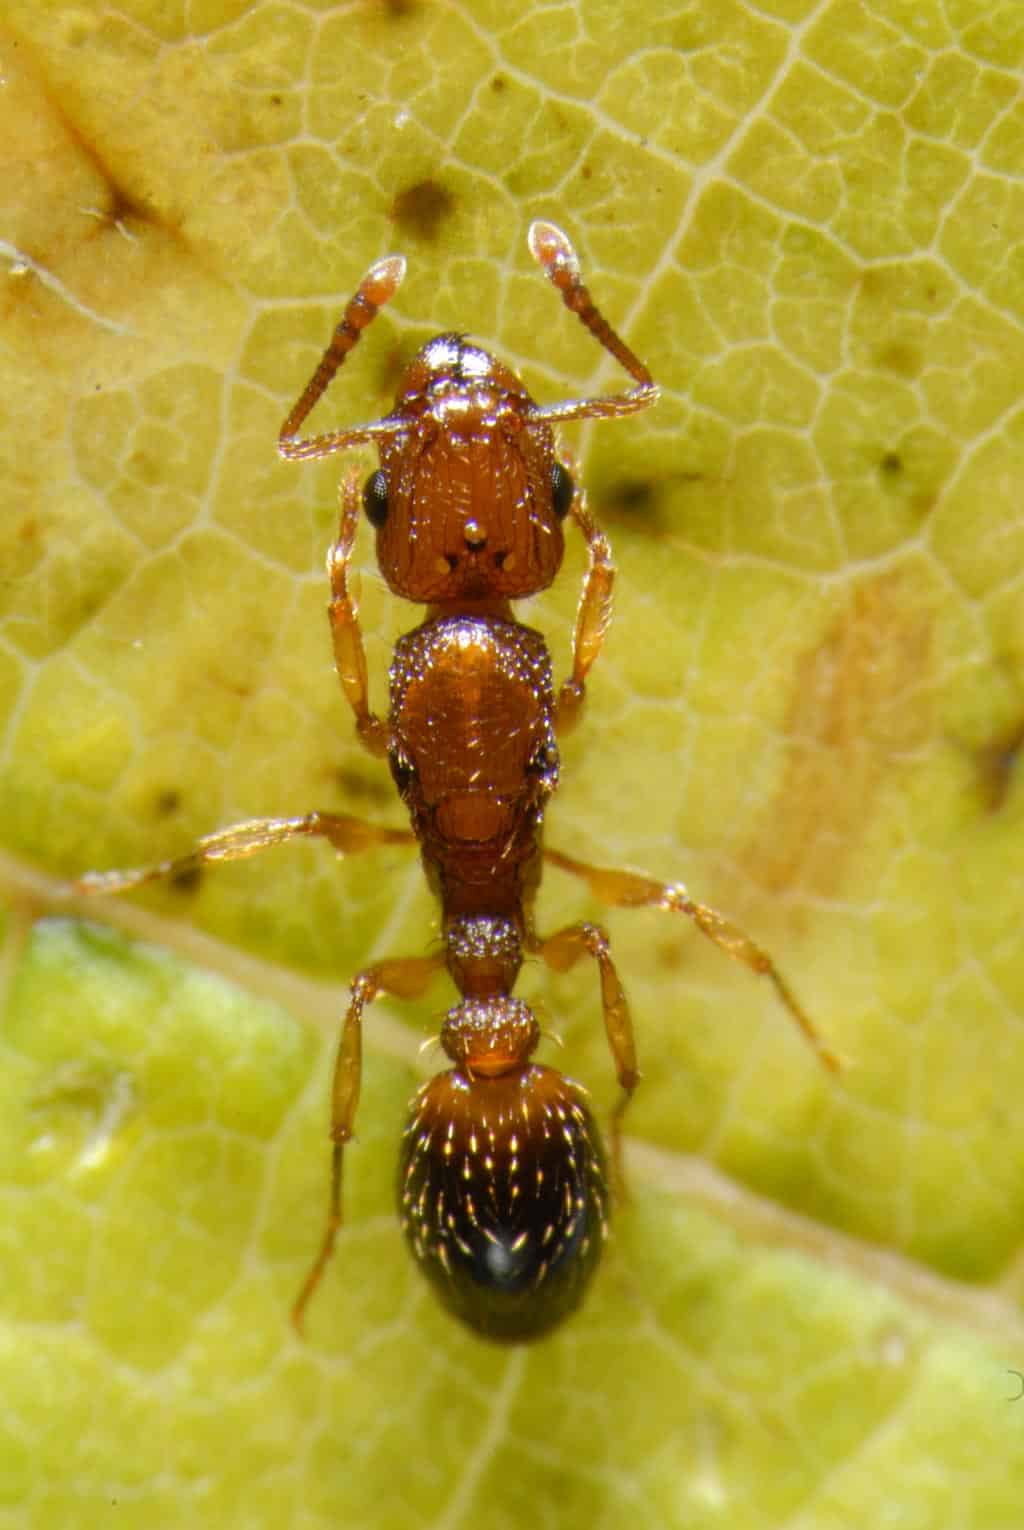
[{"x": 473, "y": 753}]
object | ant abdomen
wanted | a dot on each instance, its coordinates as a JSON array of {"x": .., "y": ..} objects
[{"x": 503, "y": 1197}]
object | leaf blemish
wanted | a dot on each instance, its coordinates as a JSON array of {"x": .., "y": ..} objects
[
  {"x": 186, "y": 882},
  {"x": 859, "y": 703},
  {"x": 996, "y": 764},
  {"x": 421, "y": 209},
  {"x": 632, "y": 497}
]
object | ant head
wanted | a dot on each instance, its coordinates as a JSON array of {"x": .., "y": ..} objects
[{"x": 469, "y": 499}]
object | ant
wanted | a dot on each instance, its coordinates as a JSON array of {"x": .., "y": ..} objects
[{"x": 503, "y": 1182}]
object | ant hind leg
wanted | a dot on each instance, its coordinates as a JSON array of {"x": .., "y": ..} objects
[
  {"x": 562, "y": 951},
  {"x": 629, "y": 889},
  {"x": 402, "y": 978}
]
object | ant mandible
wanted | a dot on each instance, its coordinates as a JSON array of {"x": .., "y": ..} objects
[{"x": 502, "y": 1184}]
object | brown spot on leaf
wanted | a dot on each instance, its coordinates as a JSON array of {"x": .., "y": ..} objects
[
  {"x": 644, "y": 504},
  {"x": 872, "y": 282},
  {"x": 420, "y": 210},
  {"x": 860, "y": 702},
  {"x": 995, "y": 763},
  {"x": 186, "y": 882},
  {"x": 632, "y": 499},
  {"x": 498, "y": 84},
  {"x": 168, "y": 803},
  {"x": 356, "y": 787},
  {"x": 670, "y": 956},
  {"x": 122, "y": 207},
  {"x": 905, "y": 360}
]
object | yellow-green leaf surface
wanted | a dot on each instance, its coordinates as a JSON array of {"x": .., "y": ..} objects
[{"x": 809, "y": 218}]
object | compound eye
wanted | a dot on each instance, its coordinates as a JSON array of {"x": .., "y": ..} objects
[
  {"x": 562, "y": 490},
  {"x": 375, "y": 499}
]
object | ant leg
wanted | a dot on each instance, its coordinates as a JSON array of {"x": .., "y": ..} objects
[
  {"x": 377, "y": 287},
  {"x": 593, "y": 616},
  {"x": 349, "y": 654},
  {"x": 562, "y": 951},
  {"x": 628, "y": 889},
  {"x": 347, "y": 835},
  {"x": 402, "y": 978}
]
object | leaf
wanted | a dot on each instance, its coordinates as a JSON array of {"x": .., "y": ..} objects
[{"x": 809, "y": 220}]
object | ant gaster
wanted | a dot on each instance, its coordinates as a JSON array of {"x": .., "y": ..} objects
[{"x": 502, "y": 1185}]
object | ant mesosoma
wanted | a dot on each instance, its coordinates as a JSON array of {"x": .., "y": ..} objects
[{"x": 502, "y": 1184}]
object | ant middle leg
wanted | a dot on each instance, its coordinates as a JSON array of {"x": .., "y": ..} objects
[
  {"x": 401, "y": 978},
  {"x": 593, "y": 616},
  {"x": 629, "y": 889},
  {"x": 347, "y": 835},
  {"x": 562, "y": 951}
]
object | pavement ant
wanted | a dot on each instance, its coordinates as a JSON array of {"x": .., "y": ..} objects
[{"x": 503, "y": 1183}]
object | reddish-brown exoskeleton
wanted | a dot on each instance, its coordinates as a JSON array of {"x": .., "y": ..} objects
[{"x": 502, "y": 1185}]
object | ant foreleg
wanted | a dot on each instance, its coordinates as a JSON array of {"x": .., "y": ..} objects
[
  {"x": 629, "y": 889},
  {"x": 402, "y": 978},
  {"x": 349, "y": 653},
  {"x": 347, "y": 835},
  {"x": 562, "y": 951},
  {"x": 592, "y": 616}
]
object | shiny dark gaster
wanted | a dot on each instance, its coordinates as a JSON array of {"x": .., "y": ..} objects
[{"x": 503, "y": 1197}]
